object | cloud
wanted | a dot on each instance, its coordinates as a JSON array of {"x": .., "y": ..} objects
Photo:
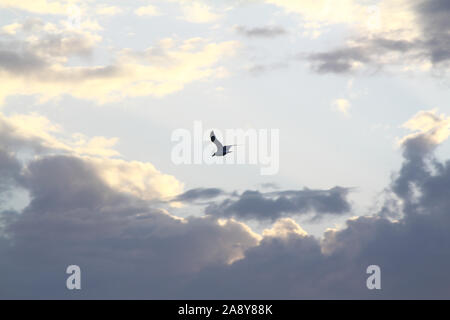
[
  {"x": 129, "y": 247},
  {"x": 90, "y": 208},
  {"x": 411, "y": 251},
  {"x": 372, "y": 54},
  {"x": 433, "y": 18},
  {"x": 197, "y": 12},
  {"x": 261, "y": 32},
  {"x": 430, "y": 129},
  {"x": 342, "y": 105},
  {"x": 259, "y": 69},
  {"x": 147, "y": 11},
  {"x": 283, "y": 228},
  {"x": 404, "y": 35},
  {"x": 339, "y": 60},
  {"x": 40, "y": 66},
  {"x": 11, "y": 28},
  {"x": 140, "y": 179},
  {"x": 429, "y": 125},
  {"x": 36, "y": 134},
  {"x": 199, "y": 194},
  {"x": 74, "y": 214},
  {"x": 274, "y": 205},
  {"x": 9, "y": 172},
  {"x": 40, "y": 47}
]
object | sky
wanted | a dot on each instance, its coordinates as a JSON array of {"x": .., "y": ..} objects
[{"x": 94, "y": 92}]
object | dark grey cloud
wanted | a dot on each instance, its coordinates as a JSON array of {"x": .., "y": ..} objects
[
  {"x": 73, "y": 217},
  {"x": 19, "y": 61},
  {"x": 199, "y": 194},
  {"x": 339, "y": 60},
  {"x": 128, "y": 248},
  {"x": 412, "y": 252},
  {"x": 261, "y": 32},
  {"x": 274, "y": 205},
  {"x": 433, "y": 45},
  {"x": 433, "y": 16},
  {"x": 9, "y": 172},
  {"x": 367, "y": 52}
]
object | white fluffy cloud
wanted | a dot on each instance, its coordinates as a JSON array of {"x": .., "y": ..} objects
[
  {"x": 429, "y": 124},
  {"x": 37, "y": 133},
  {"x": 283, "y": 228}
]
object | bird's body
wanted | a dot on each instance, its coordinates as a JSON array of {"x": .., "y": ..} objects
[{"x": 221, "y": 149}]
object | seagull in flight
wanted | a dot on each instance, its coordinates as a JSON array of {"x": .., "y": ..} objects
[{"x": 221, "y": 149}]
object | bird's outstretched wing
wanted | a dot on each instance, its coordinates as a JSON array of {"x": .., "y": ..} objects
[
  {"x": 226, "y": 149},
  {"x": 216, "y": 142}
]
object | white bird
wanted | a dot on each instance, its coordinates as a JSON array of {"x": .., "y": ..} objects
[{"x": 221, "y": 149}]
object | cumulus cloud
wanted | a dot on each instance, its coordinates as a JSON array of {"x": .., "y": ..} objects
[
  {"x": 129, "y": 247},
  {"x": 428, "y": 125},
  {"x": 140, "y": 179},
  {"x": 411, "y": 251},
  {"x": 283, "y": 228},
  {"x": 38, "y": 135},
  {"x": 109, "y": 215},
  {"x": 74, "y": 215}
]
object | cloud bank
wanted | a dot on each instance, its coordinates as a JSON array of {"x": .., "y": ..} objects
[{"x": 130, "y": 247}]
